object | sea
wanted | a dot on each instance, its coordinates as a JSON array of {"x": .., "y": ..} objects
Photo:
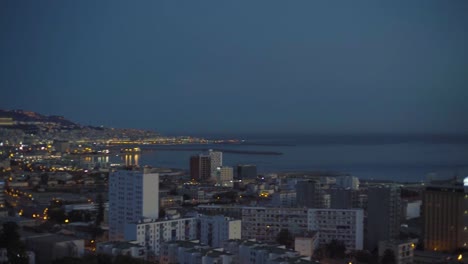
[{"x": 393, "y": 157}]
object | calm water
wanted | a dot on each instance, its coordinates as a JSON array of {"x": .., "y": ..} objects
[{"x": 399, "y": 158}]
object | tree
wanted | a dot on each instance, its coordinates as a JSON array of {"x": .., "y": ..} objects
[
  {"x": 388, "y": 257},
  {"x": 365, "y": 257},
  {"x": 336, "y": 249},
  {"x": 10, "y": 239},
  {"x": 284, "y": 237},
  {"x": 162, "y": 213},
  {"x": 57, "y": 215}
]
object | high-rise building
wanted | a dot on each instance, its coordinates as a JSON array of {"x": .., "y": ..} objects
[
  {"x": 224, "y": 176},
  {"x": 445, "y": 215},
  {"x": 200, "y": 167},
  {"x": 383, "y": 214},
  {"x": 246, "y": 172},
  {"x": 346, "y": 225},
  {"x": 309, "y": 194},
  {"x": 133, "y": 195},
  {"x": 216, "y": 158},
  {"x": 344, "y": 198},
  {"x": 214, "y": 230}
]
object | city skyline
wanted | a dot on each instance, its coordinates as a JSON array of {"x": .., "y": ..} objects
[{"x": 307, "y": 67}]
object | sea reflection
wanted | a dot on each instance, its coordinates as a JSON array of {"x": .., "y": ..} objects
[{"x": 131, "y": 159}]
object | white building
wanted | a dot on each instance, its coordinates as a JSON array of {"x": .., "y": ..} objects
[
  {"x": 412, "y": 209},
  {"x": 216, "y": 158},
  {"x": 264, "y": 223},
  {"x": 307, "y": 244},
  {"x": 133, "y": 195},
  {"x": 346, "y": 225},
  {"x": 216, "y": 229},
  {"x": 403, "y": 250},
  {"x": 348, "y": 182},
  {"x": 152, "y": 233}
]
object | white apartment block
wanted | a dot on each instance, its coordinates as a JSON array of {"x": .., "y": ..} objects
[
  {"x": 216, "y": 229},
  {"x": 264, "y": 223},
  {"x": 216, "y": 158},
  {"x": 346, "y": 225},
  {"x": 152, "y": 233},
  {"x": 133, "y": 195}
]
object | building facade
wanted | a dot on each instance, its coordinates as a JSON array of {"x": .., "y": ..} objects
[
  {"x": 216, "y": 229},
  {"x": 264, "y": 223},
  {"x": 285, "y": 198},
  {"x": 402, "y": 250},
  {"x": 309, "y": 194},
  {"x": 307, "y": 244},
  {"x": 348, "y": 182},
  {"x": 200, "y": 167},
  {"x": 216, "y": 160},
  {"x": 383, "y": 214},
  {"x": 224, "y": 176},
  {"x": 192, "y": 252},
  {"x": 445, "y": 215},
  {"x": 133, "y": 195},
  {"x": 246, "y": 171},
  {"x": 346, "y": 225},
  {"x": 151, "y": 233}
]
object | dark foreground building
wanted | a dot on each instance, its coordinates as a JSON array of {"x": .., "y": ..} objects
[{"x": 445, "y": 215}]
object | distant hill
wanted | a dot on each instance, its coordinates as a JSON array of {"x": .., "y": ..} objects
[
  {"x": 34, "y": 123},
  {"x": 22, "y": 117}
]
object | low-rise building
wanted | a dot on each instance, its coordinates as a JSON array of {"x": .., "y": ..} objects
[
  {"x": 49, "y": 247},
  {"x": 256, "y": 252},
  {"x": 152, "y": 233},
  {"x": 192, "y": 252},
  {"x": 403, "y": 250},
  {"x": 307, "y": 243},
  {"x": 115, "y": 248}
]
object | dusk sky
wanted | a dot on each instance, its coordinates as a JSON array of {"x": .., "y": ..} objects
[{"x": 240, "y": 66}]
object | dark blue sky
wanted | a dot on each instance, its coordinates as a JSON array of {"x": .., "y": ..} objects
[{"x": 240, "y": 66}]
